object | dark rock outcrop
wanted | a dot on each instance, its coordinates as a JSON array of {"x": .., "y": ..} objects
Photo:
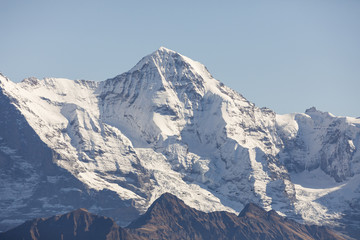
[
  {"x": 170, "y": 218},
  {"x": 79, "y": 224}
]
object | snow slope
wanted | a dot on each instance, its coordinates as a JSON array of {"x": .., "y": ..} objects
[{"x": 168, "y": 126}]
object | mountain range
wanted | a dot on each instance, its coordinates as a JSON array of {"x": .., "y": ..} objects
[
  {"x": 114, "y": 147},
  {"x": 170, "y": 218}
]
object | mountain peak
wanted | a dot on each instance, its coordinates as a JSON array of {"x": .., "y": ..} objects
[
  {"x": 164, "y": 49},
  {"x": 153, "y": 59},
  {"x": 31, "y": 81},
  {"x": 168, "y": 69},
  {"x": 313, "y": 112},
  {"x": 312, "y": 109},
  {"x": 161, "y": 209},
  {"x": 168, "y": 199},
  {"x": 252, "y": 209},
  {"x": 80, "y": 211},
  {"x": 167, "y": 60}
]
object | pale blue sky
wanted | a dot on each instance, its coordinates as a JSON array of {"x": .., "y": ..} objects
[{"x": 286, "y": 55}]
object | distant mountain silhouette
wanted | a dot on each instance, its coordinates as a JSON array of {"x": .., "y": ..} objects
[
  {"x": 170, "y": 218},
  {"x": 79, "y": 225}
]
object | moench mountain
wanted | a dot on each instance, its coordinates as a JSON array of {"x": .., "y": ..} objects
[{"x": 114, "y": 147}]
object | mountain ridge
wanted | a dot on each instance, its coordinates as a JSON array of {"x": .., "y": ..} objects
[{"x": 169, "y": 218}]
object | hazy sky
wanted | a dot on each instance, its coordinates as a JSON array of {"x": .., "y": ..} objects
[{"x": 285, "y": 55}]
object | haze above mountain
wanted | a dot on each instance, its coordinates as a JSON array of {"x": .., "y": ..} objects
[{"x": 167, "y": 125}]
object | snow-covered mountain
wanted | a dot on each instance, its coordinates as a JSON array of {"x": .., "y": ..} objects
[{"x": 168, "y": 126}]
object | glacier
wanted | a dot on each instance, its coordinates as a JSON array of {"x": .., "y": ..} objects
[{"x": 167, "y": 125}]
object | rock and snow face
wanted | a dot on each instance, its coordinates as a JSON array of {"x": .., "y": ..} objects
[
  {"x": 321, "y": 152},
  {"x": 168, "y": 126}
]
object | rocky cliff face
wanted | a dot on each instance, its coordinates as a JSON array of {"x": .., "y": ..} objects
[
  {"x": 170, "y": 218},
  {"x": 168, "y": 126},
  {"x": 324, "y": 141}
]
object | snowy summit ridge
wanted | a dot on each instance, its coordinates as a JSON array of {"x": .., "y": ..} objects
[{"x": 168, "y": 126}]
